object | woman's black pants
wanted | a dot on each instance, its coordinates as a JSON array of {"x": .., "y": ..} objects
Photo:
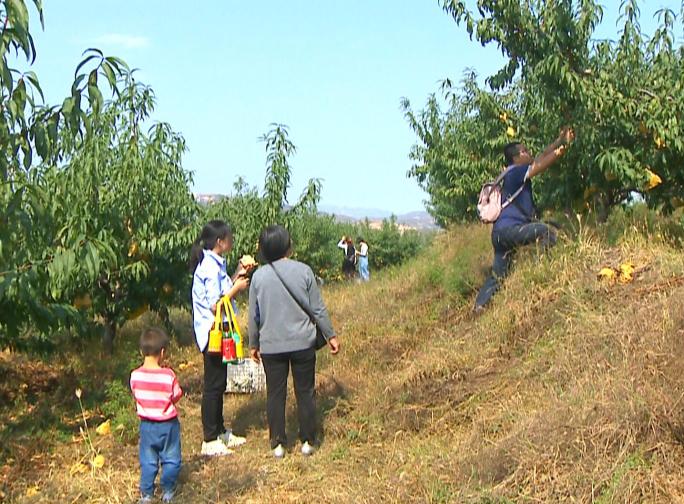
[{"x": 277, "y": 367}]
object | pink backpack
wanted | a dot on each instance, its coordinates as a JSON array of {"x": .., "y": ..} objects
[{"x": 489, "y": 204}]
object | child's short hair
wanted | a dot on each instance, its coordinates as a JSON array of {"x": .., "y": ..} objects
[{"x": 153, "y": 340}]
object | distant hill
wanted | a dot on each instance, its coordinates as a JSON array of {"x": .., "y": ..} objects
[
  {"x": 356, "y": 214},
  {"x": 420, "y": 220},
  {"x": 205, "y": 199}
]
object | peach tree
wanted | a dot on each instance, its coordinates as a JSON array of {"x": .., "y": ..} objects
[
  {"x": 248, "y": 210},
  {"x": 95, "y": 207},
  {"x": 623, "y": 97}
]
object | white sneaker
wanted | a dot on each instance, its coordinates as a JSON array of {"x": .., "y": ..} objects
[
  {"x": 279, "y": 451},
  {"x": 231, "y": 440},
  {"x": 215, "y": 448},
  {"x": 307, "y": 449}
]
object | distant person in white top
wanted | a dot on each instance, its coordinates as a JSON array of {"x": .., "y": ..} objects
[{"x": 362, "y": 254}]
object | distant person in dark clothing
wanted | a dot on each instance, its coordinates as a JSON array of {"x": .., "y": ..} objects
[
  {"x": 349, "y": 261},
  {"x": 517, "y": 224}
]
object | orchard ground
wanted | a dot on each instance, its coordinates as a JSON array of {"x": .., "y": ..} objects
[{"x": 568, "y": 388}]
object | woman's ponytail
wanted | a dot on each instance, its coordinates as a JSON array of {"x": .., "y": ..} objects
[
  {"x": 211, "y": 232},
  {"x": 196, "y": 254}
]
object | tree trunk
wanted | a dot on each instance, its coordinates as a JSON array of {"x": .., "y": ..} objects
[
  {"x": 163, "y": 313},
  {"x": 108, "y": 336},
  {"x": 606, "y": 203}
]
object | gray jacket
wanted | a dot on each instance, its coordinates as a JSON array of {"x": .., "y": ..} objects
[{"x": 277, "y": 323}]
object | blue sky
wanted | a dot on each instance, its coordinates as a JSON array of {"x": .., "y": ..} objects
[{"x": 334, "y": 71}]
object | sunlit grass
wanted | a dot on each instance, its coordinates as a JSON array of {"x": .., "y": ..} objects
[{"x": 568, "y": 387}]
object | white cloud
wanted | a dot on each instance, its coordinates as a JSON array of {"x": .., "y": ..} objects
[{"x": 123, "y": 40}]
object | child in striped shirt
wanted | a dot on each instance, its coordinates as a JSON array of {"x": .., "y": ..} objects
[{"x": 156, "y": 391}]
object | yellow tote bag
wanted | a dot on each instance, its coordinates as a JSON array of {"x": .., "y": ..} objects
[{"x": 216, "y": 334}]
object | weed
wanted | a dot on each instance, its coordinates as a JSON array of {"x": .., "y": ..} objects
[
  {"x": 340, "y": 452},
  {"x": 633, "y": 462},
  {"x": 119, "y": 407},
  {"x": 440, "y": 492}
]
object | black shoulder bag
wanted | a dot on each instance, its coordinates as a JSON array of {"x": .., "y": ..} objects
[{"x": 321, "y": 340}]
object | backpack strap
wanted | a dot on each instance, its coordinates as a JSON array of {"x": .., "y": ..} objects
[
  {"x": 501, "y": 176},
  {"x": 511, "y": 198}
]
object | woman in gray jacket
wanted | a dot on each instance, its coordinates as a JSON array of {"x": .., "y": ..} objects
[{"x": 282, "y": 335}]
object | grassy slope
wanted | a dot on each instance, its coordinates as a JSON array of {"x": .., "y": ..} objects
[{"x": 565, "y": 389}]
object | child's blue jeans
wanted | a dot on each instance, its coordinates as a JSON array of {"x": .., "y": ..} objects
[{"x": 159, "y": 444}]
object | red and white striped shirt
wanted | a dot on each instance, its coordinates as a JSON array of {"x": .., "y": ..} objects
[{"x": 155, "y": 391}]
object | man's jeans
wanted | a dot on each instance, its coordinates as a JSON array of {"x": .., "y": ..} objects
[
  {"x": 159, "y": 443},
  {"x": 506, "y": 241}
]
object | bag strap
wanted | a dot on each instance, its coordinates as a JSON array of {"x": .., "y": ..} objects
[
  {"x": 511, "y": 198},
  {"x": 224, "y": 304},
  {"x": 498, "y": 179},
  {"x": 304, "y": 308},
  {"x": 230, "y": 312},
  {"x": 217, "y": 317}
]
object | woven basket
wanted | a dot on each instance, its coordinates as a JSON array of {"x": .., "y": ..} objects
[{"x": 246, "y": 377}]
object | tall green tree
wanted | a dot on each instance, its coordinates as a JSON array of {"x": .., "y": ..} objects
[
  {"x": 96, "y": 212},
  {"x": 249, "y": 212}
]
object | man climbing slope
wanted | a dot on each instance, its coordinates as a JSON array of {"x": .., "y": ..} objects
[{"x": 517, "y": 224}]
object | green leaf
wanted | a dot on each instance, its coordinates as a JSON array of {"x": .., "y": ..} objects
[
  {"x": 94, "y": 50},
  {"x": 67, "y": 106},
  {"x": 28, "y": 154},
  {"x": 33, "y": 79},
  {"x": 18, "y": 14},
  {"x": 19, "y": 97},
  {"x": 111, "y": 77},
  {"x": 13, "y": 109},
  {"x": 118, "y": 63},
  {"x": 39, "y": 8},
  {"x": 7, "y": 80},
  {"x": 95, "y": 97},
  {"x": 40, "y": 138},
  {"x": 85, "y": 62}
]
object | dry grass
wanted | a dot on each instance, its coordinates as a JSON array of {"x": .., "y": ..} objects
[{"x": 567, "y": 389}]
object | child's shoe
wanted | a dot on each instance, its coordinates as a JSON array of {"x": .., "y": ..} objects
[
  {"x": 307, "y": 449},
  {"x": 215, "y": 448},
  {"x": 145, "y": 499},
  {"x": 279, "y": 451},
  {"x": 167, "y": 496},
  {"x": 231, "y": 440}
]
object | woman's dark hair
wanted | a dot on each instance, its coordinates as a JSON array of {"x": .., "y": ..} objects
[
  {"x": 510, "y": 151},
  {"x": 274, "y": 243},
  {"x": 212, "y": 232},
  {"x": 360, "y": 239}
]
